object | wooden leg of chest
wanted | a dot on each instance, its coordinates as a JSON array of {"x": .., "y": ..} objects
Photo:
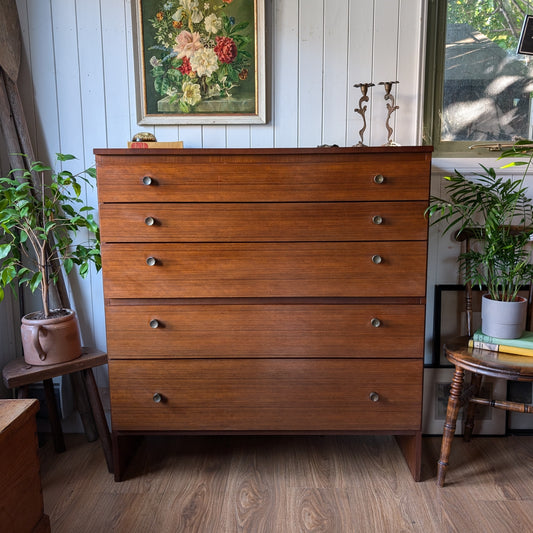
[
  {"x": 411, "y": 447},
  {"x": 124, "y": 448}
]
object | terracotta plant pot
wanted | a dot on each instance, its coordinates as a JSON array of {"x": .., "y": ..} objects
[
  {"x": 505, "y": 320},
  {"x": 47, "y": 341}
]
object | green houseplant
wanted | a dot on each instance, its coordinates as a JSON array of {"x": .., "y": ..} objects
[
  {"x": 498, "y": 215},
  {"x": 41, "y": 216}
]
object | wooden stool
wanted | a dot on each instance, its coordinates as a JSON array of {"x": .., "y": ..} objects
[
  {"x": 18, "y": 374},
  {"x": 479, "y": 363}
]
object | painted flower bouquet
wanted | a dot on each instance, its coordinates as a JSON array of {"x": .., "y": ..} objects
[{"x": 200, "y": 52}]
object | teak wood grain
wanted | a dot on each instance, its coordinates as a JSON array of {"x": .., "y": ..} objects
[
  {"x": 266, "y": 394},
  {"x": 260, "y": 222},
  {"x": 235, "y": 176},
  {"x": 265, "y": 290},
  {"x": 265, "y": 330},
  {"x": 264, "y": 269}
]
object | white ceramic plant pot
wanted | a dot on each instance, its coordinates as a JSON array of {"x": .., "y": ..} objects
[{"x": 505, "y": 320}]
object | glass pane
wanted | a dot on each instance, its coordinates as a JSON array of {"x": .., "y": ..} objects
[{"x": 487, "y": 86}]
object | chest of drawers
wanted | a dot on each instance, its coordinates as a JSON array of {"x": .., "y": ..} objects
[{"x": 265, "y": 290}]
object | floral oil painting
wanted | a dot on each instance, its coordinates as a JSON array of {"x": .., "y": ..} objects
[{"x": 200, "y": 61}]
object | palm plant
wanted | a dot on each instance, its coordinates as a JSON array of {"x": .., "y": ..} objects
[{"x": 498, "y": 213}]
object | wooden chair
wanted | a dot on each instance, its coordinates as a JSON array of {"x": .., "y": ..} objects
[
  {"x": 18, "y": 374},
  {"x": 478, "y": 363}
]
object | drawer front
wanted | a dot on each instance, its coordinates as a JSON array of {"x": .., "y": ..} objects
[
  {"x": 245, "y": 331},
  {"x": 262, "y": 178},
  {"x": 264, "y": 270},
  {"x": 266, "y": 395},
  {"x": 263, "y": 222}
]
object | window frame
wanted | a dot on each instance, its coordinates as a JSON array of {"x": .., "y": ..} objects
[{"x": 434, "y": 88}]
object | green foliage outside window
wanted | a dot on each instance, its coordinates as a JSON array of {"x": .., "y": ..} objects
[{"x": 500, "y": 20}]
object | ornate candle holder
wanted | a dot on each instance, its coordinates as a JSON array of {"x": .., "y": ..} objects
[
  {"x": 362, "y": 108},
  {"x": 391, "y": 107}
]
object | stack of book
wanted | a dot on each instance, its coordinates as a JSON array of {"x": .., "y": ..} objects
[{"x": 520, "y": 346}]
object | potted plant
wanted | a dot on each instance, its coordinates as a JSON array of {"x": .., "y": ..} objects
[
  {"x": 41, "y": 215},
  {"x": 498, "y": 215}
]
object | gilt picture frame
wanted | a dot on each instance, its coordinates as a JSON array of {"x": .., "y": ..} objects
[{"x": 199, "y": 61}]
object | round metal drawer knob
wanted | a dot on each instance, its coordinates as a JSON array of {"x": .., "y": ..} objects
[
  {"x": 151, "y": 261},
  {"x": 379, "y": 179},
  {"x": 149, "y": 221},
  {"x": 154, "y": 324},
  {"x": 377, "y": 259},
  {"x": 158, "y": 398},
  {"x": 147, "y": 180},
  {"x": 377, "y": 220},
  {"x": 376, "y": 322},
  {"x": 374, "y": 396}
]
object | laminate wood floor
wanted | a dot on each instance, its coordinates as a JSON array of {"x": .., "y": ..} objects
[{"x": 290, "y": 484}]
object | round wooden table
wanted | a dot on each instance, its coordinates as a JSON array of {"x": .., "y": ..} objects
[{"x": 479, "y": 363}]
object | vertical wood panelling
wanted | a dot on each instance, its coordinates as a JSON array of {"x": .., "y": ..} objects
[
  {"x": 214, "y": 136},
  {"x": 285, "y": 71},
  {"x": 410, "y": 75},
  {"x": 310, "y": 67},
  {"x": 385, "y": 65},
  {"x": 41, "y": 49},
  {"x": 360, "y": 67},
  {"x": 116, "y": 73},
  {"x": 129, "y": 58},
  {"x": 93, "y": 105},
  {"x": 238, "y": 136},
  {"x": 25, "y": 81},
  {"x": 262, "y": 136},
  {"x": 192, "y": 136},
  {"x": 69, "y": 108},
  {"x": 334, "y": 85}
]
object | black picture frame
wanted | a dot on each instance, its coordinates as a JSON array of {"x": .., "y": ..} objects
[
  {"x": 443, "y": 294},
  {"x": 525, "y": 43},
  {"x": 449, "y": 317}
]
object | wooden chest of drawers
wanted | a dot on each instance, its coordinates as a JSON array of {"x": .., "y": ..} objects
[{"x": 268, "y": 290}]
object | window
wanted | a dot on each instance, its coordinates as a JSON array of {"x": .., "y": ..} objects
[{"x": 478, "y": 89}]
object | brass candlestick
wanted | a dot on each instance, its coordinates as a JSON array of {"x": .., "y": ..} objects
[
  {"x": 362, "y": 108},
  {"x": 391, "y": 107}
]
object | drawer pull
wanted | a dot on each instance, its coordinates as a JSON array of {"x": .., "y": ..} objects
[
  {"x": 377, "y": 259},
  {"x": 151, "y": 261},
  {"x": 158, "y": 398},
  {"x": 149, "y": 221},
  {"x": 147, "y": 180},
  {"x": 374, "y": 396},
  {"x": 377, "y": 220},
  {"x": 154, "y": 324},
  {"x": 379, "y": 179},
  {"x": 376, "y": 322}
]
